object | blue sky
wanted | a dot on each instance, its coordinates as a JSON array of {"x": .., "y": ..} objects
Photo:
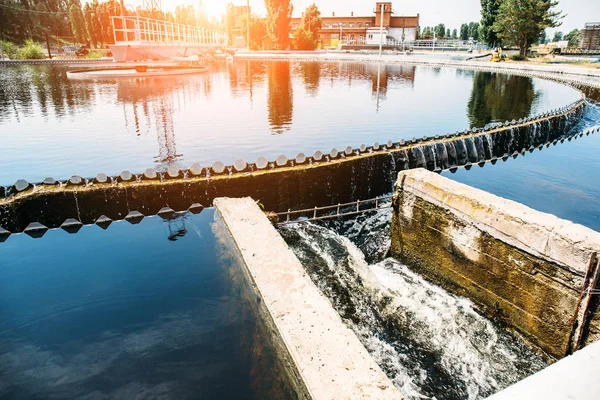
[{"x": 451, "y": 13}]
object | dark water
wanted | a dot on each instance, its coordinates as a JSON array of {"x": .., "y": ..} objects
[
  {"x": 560, "y": 180},
  {"x": 50, "y": 126},
  {"x": 127, "y": 313}
]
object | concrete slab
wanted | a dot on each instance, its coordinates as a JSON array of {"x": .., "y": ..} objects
[
  {"x": 332, "y": 362},
  {"x": 575, "y": 378}
]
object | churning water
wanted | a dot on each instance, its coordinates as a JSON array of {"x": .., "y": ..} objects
[{"x": 431, "y": 343}]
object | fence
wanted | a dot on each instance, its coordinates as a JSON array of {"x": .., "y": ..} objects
[{"x": 135, "y": 29}]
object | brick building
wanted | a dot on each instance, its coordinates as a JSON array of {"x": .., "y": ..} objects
[{"x": 366, "y": 30}]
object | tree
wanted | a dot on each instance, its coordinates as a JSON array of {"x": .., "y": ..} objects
[
  {"x": 543, "y": 39},
  {"x": 186, "y": 15},
  {"x": 258, "y": 31},
  {"x": 279, "y": 14},
  {"x": 440, "y": 31},
  {"x": 307, "y": 34},
  {"x": 454, "y": 34},
  {"x": 474, "y": 30},
  {"x": 573, "y": 38},
  {"x": 427, "y": 33},
  {"x": 520, "y": 22},
  {"x": 78, "y": 24},
  {"x": 448, "y": 34},
  {"x": 558, "y": 36},
  {"x": 489, "y": 12},
  {"x": 464, "y": 32}
]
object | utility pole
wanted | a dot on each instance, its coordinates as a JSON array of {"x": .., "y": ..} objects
[
  {"x": 248, "y": 25},
  {"x": 381, "y": 31}
]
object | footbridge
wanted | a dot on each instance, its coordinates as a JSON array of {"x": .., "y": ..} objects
[{"x": 139, "y": 38}]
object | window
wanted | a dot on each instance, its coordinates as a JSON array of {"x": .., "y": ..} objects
[
  {"x": 370, "y": 37},
  {"x": 360, "y": 24}
]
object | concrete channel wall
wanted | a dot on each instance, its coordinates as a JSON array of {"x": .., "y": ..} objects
[
  {"x": 325, "y": 355},
  {"x": 531, "y": 270},
  {"x": 322, "y": 179}
]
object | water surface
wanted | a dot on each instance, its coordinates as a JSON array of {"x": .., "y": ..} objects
[
  {"x": 560, "y": 180},
  {"x": 155, "y": 310},
  {"x": 51, "y": 126}
]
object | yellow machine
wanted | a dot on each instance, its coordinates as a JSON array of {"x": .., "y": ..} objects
[{"x": 497, "y": 55}]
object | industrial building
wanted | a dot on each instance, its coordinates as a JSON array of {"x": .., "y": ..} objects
[
  {"x": 589, "y": 38},
  {"x": 366, "y": 29}
]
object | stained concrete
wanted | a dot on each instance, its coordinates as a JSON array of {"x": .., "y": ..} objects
[
  {"x": 522, "y": 267},
  {"x": 330, "y": 359}
]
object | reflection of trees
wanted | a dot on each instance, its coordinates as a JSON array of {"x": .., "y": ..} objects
[
  {"x": 47, "y": 87},
  {"x": 280, "y": 96},
  {"x": 311, "y": 74},
  {"x": 243, "y": 75},
  {"x": 499, "y": 97}
]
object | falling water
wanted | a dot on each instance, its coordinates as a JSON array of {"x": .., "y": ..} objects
[{"x": 432, "y": 344}]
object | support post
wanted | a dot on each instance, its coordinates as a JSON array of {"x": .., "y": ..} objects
[
  {"x": 581, "y": 312},
  {"x": 48, "y": 46},
  {"x": 248, "y": 25},
  {"x": 381, "y": 31}
]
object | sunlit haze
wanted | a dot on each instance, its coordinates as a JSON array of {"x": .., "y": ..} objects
[{"x": 432, "y": 12}]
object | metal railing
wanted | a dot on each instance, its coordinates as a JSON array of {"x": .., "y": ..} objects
[
  {"x": 341, "y": 210},
  {"x": 135, "y": 29},
  {"x": 453, "y": 44}
]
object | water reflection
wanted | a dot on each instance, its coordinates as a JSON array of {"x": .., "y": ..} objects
[
  {"x": 265, "y": 108},
  {"x": 311, "y": 75},
  {"x": 488, "y": 102},
  {"x": 281, "y": 101},
  {"x": 45, "y": 86},
  {"x": 157, "y": 100}
]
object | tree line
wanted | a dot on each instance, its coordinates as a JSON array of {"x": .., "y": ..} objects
[
  {"x": 21, "y": 20},
  {"x": 467, "y": 30}
]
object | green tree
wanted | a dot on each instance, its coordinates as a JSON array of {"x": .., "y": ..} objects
[
  {"x": 258, "y": 32},
  {"x": 427, "y": 33},
  {"x": 455, "y": 34},
  {"x": 543, "y": 39},
  {"x": 279, "y": 14},
  {"x": 440, "y": 30},
  {"x": 448, "y": 33},
  {"x": 474, "y": 30},
  {"x": 558, "y": 36},
  {"x": 307, "y": 34},
  {"x": 520, "y": 22},
  {"x": 78, "y": 24},
  {"x": 573, "y": 38},
  {"x": 489, "y": 11},
  {"x": 464, "y": 32}
]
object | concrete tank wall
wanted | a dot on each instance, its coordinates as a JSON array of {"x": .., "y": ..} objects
[{"x": 531, "y": 270}]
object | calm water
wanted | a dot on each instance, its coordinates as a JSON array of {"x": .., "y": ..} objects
[
  {"x": 561, "y": 180},
  {"x": 50, "y": 126},
  {"x": 127, "y": 313}
]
